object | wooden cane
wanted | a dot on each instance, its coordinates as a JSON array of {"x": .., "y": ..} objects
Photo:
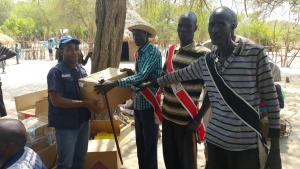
[{"x": 113, "y": 128}]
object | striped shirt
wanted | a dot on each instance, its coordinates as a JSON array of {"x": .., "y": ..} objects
[
  {"x": 148, "y": 66},
  {"x": 172, "y": 108},
  {"x": 3, "y": 50},
  {"x": 25, "y": 159},
  {"x": 248, "y": 73}
]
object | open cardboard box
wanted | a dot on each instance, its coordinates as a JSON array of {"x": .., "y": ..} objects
[
  {"x": 41, "y": 109},
  {"x": 102, "y": 153},
  {"x": 48, "y": 155},
  {"x": 116, "y": 96},
  {"x": 25, "y": 104},
  {"x": 34, "y": 127},
  {"x": 98, "y": 126}
]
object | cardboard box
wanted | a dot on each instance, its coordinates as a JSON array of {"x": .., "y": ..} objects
[
  {"x": 48, "y": 155},
  {"x": 25, "y": 104},
  {"x": 41, "y": 110},
  {"x": 26, "y": 114},
  {"x": 39, "y": 143},
  {"x": 115, "y": 96},
  {"x": 98, "y": 126},
  {"x": 102, "y": 153},
  {"x": 34, "y": 128}
]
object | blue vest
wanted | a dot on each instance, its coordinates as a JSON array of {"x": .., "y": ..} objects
[{"x": 66, "y": 82}]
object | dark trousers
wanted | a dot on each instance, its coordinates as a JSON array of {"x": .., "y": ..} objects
[
  {"x": 179, "y": 146},
  {"x": 219, "y": 158},
  {"x": 2, "y": 106},
  {"x": 146, "y": 132}
]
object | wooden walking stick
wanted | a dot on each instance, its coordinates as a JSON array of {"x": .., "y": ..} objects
[{"x": 113, "y": 128}]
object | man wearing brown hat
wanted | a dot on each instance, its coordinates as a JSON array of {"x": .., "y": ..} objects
[{"x": 146, "y": 105}]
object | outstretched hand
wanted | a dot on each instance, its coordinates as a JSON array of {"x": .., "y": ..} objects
[
  {"x": 193, "y": 125},
  {"x": 104, "y": 86},
  {"x": 152, "y": 83},
  {"x": 90, "y": 54}
]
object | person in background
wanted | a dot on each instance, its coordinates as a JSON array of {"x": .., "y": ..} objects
[
  {"x": 50, "y": 48},
  {"x": 13, "y": 152},
  {"x": 5, "y": 53},
  {"x": 18, "y": 53}
]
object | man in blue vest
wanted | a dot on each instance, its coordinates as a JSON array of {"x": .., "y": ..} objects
[{"x": 68, "y": 113}]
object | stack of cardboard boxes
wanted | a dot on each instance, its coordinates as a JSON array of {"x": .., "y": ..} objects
[
  {"x": 102, "y": 152},
  {"x": 32, "y": 109}
]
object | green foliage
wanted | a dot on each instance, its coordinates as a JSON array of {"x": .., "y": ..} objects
[
  {"x": 51, "y": 15},
  {"x": 164, "y": 15},
  {"x": 46, "y": 17},
  {"x": 21, "y": 28},
  {"x": 5, "y": 8}
]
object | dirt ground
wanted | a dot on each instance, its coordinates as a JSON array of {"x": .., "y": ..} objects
[{"x": 31, "y": 76}]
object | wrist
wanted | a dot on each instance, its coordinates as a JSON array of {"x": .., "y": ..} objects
[
  {"x": 84, "y": 103},
  {"x": 115, "y": 83}
]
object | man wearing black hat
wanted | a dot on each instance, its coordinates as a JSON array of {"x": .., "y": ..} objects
[
  {"x": 68, "y": 113},
  {"x": 148, "y": 65}
]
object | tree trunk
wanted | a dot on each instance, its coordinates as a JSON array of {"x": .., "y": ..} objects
[
  {"x": 110, "y": 22},
  {"x": 287, "y": 47}
]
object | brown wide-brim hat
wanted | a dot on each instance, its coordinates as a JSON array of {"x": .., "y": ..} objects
[{"x": 147, "y": 28}]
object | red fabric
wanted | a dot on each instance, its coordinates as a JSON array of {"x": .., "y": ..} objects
[
  {"x": 99, "y": 165},
  {"x": 147, "y": 93},
  {"x": 188, "y": 103},
  {"x": 170, "y": 58}
]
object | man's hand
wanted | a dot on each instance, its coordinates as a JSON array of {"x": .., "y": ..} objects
[
  {"x": 104, "y": 86},
  {"x": 274, "y": 156},
  {"x": 152, "y": 82},
  {"x": 193, "y": 125},
  {"x": 91, "y": 105},
  {"x": 128, "y": 71},
  {"x": 90, "y": 54}
]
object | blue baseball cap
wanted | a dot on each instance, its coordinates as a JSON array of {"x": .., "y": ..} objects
[{"x": 68, "y": 39}]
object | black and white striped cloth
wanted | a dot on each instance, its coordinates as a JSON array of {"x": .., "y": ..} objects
[
  {"x": 4, "y": 51},
  {"x": 247, "y": 72}
]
